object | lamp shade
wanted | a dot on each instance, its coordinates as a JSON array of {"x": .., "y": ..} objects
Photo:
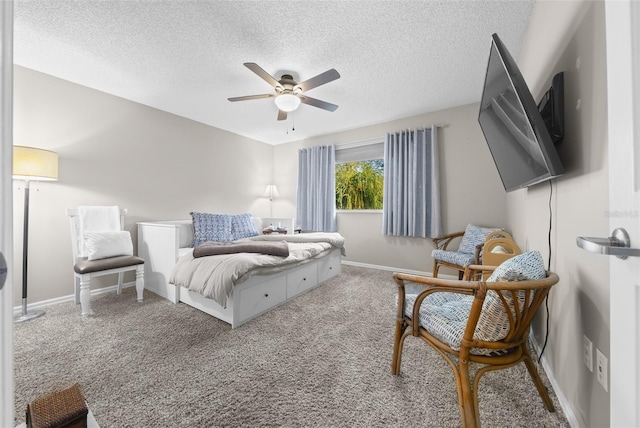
[
  {"x": 30, "y": 163},
  {"x": 287, "y": 102},
  {"x": 271, "y": 191}
]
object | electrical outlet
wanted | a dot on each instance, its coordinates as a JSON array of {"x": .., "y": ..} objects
[
  {"x": 587, "y": 353},
  {"x": 602, "y": 369}
]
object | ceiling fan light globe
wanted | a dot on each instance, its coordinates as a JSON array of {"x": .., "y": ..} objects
[{"x": 287, "y": 102}]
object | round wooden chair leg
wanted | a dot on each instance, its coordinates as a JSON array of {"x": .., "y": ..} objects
[
  {"x": 536, "y": 379},
  {"x": 469, "y": 413},
  {"x": 396, "y": 359}
]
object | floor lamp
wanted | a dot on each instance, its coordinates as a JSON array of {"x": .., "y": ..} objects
[
  {"x": 31, "y": 164},
  {"x": 271, "y": 192}
]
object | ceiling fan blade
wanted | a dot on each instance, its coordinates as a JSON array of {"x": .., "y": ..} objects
[
  {"x": 318, "y": 103},
  {"x": 320, "y": 79},
  {"x": 251, "y": 97},
  {"x": 260, "y": 72},
  {"x": 282, "y": 115}
]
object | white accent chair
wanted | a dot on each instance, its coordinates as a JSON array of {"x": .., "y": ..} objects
[{"x": 85, "y": 269}]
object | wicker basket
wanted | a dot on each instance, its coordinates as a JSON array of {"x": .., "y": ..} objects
[{"x": 65, "y": 408}]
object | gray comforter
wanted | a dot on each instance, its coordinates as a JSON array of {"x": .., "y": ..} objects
[{"x": 215, "y": 276}]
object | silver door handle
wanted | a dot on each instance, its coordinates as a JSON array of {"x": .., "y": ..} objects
[
  {"x": 3, "y": 271},
  {"x": 618, "y": 244}
]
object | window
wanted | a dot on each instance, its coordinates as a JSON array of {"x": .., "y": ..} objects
[
  {"x": 360, "y": 176},
  {"x": 360, "y": 185}
]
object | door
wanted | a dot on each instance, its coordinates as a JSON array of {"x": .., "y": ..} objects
[
  {"x": 6, "y": 211},
  {"x": 623, "y": 86}
]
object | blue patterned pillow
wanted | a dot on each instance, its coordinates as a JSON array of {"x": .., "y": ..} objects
[
  {"x": 523, "y": 267},
  {"x": 211, "y": 227},
  {"x": 473, "y": 235},
  {"x": 242, "y": 226},
  {"x": 493, "y": 323}
]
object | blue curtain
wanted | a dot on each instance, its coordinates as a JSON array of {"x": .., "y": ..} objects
[
  {"x": 317, "y": 189},
  {"x": 411, "y": 184}
]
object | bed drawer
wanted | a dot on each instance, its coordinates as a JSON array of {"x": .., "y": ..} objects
[
  {"x": 301, "y": 280},
  {"x": 260, "y": 298},
  {"x": 329, "y": 266}
]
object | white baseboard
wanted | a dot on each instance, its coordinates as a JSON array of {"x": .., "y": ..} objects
[
  {"x": 394, "y": 269},
  {"x": 564, "y": 403},
  {"x": 71, "y": 297}
]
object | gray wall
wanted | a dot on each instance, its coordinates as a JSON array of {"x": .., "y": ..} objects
[
  {"x": 116, "y": 152},
  {"x": 570, "y": 37},
  {"x": 470, "y": 186}
]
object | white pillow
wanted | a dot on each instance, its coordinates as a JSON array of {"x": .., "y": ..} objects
[{"x": 100, "y": 245}]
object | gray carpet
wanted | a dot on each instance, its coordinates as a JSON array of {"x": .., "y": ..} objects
[{"x": 322, "y": 359}]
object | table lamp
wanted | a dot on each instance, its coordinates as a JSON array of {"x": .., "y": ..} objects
[{"x": 271, "y": 192}]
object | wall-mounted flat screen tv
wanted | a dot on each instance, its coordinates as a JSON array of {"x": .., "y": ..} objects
[{"x": 518, "y": 135}]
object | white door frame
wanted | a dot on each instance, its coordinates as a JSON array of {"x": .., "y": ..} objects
[
  {"x": 6, "y": 212},
  {"x": 623, "y": 89}
]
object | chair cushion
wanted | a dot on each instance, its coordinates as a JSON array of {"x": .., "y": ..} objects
[
  {"x": 444, "y": 315},
  {"x": 473, "y": 235},
  {"x": 86, "y": 266},
  {"x": 453, "y": 257}
]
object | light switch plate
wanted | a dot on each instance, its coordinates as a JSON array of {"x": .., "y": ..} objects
[{"x": 602, "y": 369}]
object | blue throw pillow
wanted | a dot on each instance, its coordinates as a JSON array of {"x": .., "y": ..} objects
[
  {"x": 242, "y": 226},
  {"x": 211, "y": 227},
  {"x": 473, "y": 235},
  {"x": 493, "y": 323},
  {"x": 527, "y": 266}
]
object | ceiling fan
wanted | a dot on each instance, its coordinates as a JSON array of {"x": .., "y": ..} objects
[{"x": 289, "y": 93}]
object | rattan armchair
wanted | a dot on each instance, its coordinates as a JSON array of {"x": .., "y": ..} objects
[
  {"x": 469, "y": 250},
  {"x": 476, "y": 339},
  {"x": 442, "y": 243}
]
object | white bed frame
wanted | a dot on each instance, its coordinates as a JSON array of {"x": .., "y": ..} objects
[{"x": 162, "y": 243}]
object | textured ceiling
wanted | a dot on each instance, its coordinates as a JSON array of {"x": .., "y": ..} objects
[{"x": 396, "y": 58}]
